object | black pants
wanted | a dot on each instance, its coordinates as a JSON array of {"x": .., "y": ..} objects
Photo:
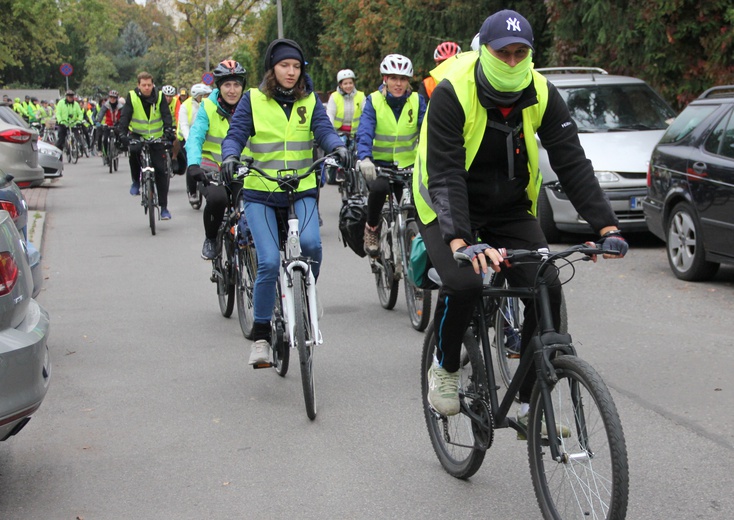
[
  {"x": 379, "y": 189},
  {"x": 217, "y": 201},
  {"x": 61, "y": 137},
  {"x": 462, "y": 288},
  {"x": 158, "y": 160}
]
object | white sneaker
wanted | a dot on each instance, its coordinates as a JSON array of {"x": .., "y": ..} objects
[
  {"x": 260, "y": 353},
  {"x": 443, "y": 390}
]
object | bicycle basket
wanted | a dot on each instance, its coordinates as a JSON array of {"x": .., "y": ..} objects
[
  {"x": 352, "y": 219},
  {"x": 419, "y": 265}
]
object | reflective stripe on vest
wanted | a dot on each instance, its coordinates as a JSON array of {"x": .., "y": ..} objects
[
  {"x": 395, "y": 141},
  {"x": 218, "y": 126},
  {"x": 358, "y": 99},
  {"x": 148, "y": 127},
  {"x": 461, "y": 77},
  {"x": 280, "y": 143}
]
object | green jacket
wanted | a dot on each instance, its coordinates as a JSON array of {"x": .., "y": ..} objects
[{"x": 68, "y": 114}]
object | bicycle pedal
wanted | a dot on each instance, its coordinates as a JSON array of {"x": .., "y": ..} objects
[{"x": 263, "y": 365}]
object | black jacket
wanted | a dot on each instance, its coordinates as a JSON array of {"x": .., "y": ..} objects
[
  {"x": 467, "y": 201},
  {"x": 148, "y": 102}
]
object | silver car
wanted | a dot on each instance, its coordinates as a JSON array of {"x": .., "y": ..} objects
[
  {"x": 620, "y": 119},
  {"x": 19, "y": 149},
  {"x": 51, "y": 160},
  {"x": 25, "y": 366}
]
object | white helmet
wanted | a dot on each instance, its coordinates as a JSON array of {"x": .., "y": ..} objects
[
  {"x": 345, "y": 74},
  {"x": 168, "y": 90},
  {"x": 475, "y": 43},
  {"x": 200, "y": 89},
  {"x": 396, "y": 64}
]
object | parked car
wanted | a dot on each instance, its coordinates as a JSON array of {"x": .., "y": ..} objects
[
  {"x": 12, "y": 201},
  {"x": 619, "y": 119},
  {"x": 19, "y": 149},
  {"x": 690, "y": 200},
  {"x": 25, "y": 366},
  {"x": 50, "y": 157}
]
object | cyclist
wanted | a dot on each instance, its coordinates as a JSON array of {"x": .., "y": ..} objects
[
  {"x": 183, "y": 95},
  {"x": 186, "y": 117},
  {"x": 146, "y": 117},
  {"x": 280, "y": 119},
  {"x": 204, "y": 146},
  {"x": 18, "y": 106},
  {"x": 477, "y": 171},
  {"x": 68, "y": 114},
  {"x": 344, "y": 107},
  {"x": 442, "y": 53},
  {"x": 387, "y": 134},
  {"x": 109, "y": 117}
]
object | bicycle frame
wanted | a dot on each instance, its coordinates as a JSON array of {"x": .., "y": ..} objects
[{"x": 400, "y": 212}]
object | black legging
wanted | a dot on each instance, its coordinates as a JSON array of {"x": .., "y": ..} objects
[
  {"x": 216, "y": 204},
  {"x": 158, "y": 158},
  {"x": 462, "y": 287},
  {"x": 379, "y": 188}
]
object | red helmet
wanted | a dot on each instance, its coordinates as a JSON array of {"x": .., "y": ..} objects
[{"x": 445, "y": 50}]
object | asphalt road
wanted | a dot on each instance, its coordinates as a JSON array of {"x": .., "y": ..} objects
[{"x": 153, "y": 412}]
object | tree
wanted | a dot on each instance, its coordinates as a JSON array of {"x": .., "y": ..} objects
[{"x": 133, "y": 41}]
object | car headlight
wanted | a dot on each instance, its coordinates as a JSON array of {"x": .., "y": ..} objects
[
  {"x": 603, "y": 176},
  {"x": 52, "y": 153}
]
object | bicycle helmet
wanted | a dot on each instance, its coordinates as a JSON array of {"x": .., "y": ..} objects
[
  {"x": 345, "y": 74},
  {"x": 396, "y": 64},
  {"x": 445, "y": 50},
  {"x": 475, "y": 43},
  {"x": 70, "y": 93},
  {"x": 168, "y": 90},
  {"x": 113, "y": 93},
  {"x": 200, "y": 89},
  {"x": 229, "y": 70}
]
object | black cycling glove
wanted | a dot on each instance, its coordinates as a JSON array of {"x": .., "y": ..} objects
[
  {"x": 229, "y": 168},
  {"x": 469, "y": 253},
  {"x": 196, "y": 173},
  {"x": 615, "y": 242},
  {"x": 345, "y": 158}
]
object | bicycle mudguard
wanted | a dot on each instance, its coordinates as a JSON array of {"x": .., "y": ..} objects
[{"x": 544, "y": 347}]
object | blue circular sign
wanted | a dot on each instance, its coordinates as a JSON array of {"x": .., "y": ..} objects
[
  {"x": 207, "y": 78},
  {"x": 66, "y": 69}
]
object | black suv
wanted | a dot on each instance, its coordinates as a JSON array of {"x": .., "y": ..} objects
[{"x": 690, "y": 186}]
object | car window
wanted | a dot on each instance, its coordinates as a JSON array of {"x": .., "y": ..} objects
[
  {"x": 713, "y": 141},
  {"x": 9, "y": 116},
  {"x": 684, "y": 124},
  {"x": 605, "y": 108},
  {"x": 726, "y": 136}
]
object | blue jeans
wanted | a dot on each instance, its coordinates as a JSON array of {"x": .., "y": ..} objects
[{"x": 262, "y": 221}]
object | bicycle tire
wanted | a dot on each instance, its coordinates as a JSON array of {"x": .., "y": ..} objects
[
  {"x": 459, "y": 461},
  {"x": 67, "y": 151},
  {"x": 225, "y": 283},
  {"x": 509, "y": 318},
  {"x": 150, "y": 203},
  {"x": 74, "y": 150},
  {"x": 417, "y": 299},
  {"x": 281, "y": 348},
  {"x": 574, "y": 486},
  {"x": 387, "y": 283},
  {"x": 305, "y": 341},
  {"x": 246, "y": 273},
  {"x": 112, "y": 155}
]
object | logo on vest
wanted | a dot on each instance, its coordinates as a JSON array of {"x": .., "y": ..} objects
[
  {"x": 513, "y": 24},
  {"x": 302, "y": 114},
  {"x": 410, "y": 115}
]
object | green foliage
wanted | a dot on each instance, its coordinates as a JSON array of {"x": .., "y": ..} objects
[{"x": 133, "y": 41}]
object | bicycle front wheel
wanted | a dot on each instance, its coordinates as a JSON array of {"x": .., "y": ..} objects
[
  {"x": 74, "y": 150},
  {"x": 225, "y": 283},
  {"x": 305, "y": 342},
  {"x": 150, "y": 203},
  {"x": 112, "y": 155},
  {"x": 387, "y": 283},
  {"x": 246, "y": 273},
  {"x": 418, "y": 300},
  {"x": 592, "y": 478},
  {"x": 459, "y": 443}
]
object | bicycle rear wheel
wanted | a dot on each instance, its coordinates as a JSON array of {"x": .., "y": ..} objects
[
  {"x": 112, "y": 155},
  {"x": 387, "y": 284},
  {"x": 281, "y": 349},
  {"x": 459, "y": 443},
  {"x": 418, "y": 300},
  {"x": 225, "y": 283},
  {"x": 246, "y": 273},
  {"x": 592, "y": 478},
  {"x": 150, "y": 202},
  {"x": 508, "y": 322},
  {"x": 74, "y": 150},
  {"x": 305, "y": 342},
  {"x": 67, "y": 150}
]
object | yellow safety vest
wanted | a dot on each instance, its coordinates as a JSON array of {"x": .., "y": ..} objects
[
  {"x": 461, "y": 76},
  {"x": 359, "y": 98},
  {"x": 148, "y": 127},
  {"x": 280, "y": 143},
  {"x": 395, "y": 141},
  {"x": 218, "y": 126}
]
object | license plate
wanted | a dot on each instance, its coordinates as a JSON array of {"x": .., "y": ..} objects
[{"x": 636, "y": 202}]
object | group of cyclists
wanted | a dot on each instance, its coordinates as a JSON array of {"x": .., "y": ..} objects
[{"x": 473, "y": 151}]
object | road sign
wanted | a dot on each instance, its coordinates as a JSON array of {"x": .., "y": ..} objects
[
  {"x": 207, "y": 78},
  {"x": 66, "y": 69}
]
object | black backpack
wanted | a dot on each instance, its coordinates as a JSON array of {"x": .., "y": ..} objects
[{"x": 352, "y": 219}]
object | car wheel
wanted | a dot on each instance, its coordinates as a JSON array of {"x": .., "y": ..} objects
[
  {"x": 545, "y": 217},
  {"x": 686, "y": 254}
]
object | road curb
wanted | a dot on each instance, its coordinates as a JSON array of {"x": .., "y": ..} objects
[{"x": 36, "y": 224}]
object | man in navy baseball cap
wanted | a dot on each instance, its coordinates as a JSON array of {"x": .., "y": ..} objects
[{"x": 506, "y": 27}]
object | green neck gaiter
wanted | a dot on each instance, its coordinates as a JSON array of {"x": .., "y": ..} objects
[{"x": 501, "y": 76}]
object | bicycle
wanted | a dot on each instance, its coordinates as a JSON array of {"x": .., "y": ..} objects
[
  {"x": 149, "y": 196},
  {"x": 576, "y": 447},
  {"x": 295, "y": 322},
  {"x": 72, "y": 146},
  {"x": 81, "y": 136},
  {"x": 111, "y": 156},
  {"x": 397, "y": 231}
]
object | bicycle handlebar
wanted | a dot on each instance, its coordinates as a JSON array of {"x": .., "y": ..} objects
[
  {"x": 543, "y": 254},
  {"x": 287, "y": 179},
  {"x": 400, "y": 174}
]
